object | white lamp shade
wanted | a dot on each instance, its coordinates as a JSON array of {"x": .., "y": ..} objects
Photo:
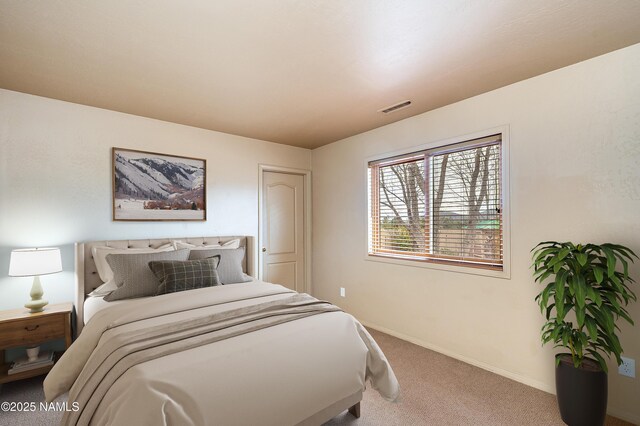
[{"x": 35, "y": 261}]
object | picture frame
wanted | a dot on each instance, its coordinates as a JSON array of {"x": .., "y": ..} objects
[{"x": 151, "y": 186}]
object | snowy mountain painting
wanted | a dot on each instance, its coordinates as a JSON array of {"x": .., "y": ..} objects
[{"x": 151, "y": 186}]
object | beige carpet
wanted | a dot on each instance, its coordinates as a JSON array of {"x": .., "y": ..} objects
[
  {"x": 29, "y": 390},
  {"x": 438, "y": 390}
]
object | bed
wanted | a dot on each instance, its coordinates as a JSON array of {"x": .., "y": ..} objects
[{"x": 237, "y": 354}]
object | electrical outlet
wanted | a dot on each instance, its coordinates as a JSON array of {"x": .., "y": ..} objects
[
  {"x": 628, "y": 367},
  {"x": 343, "y": 292}
]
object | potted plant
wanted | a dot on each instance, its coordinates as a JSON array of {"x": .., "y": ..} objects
[{"x": 586, "y": 291}]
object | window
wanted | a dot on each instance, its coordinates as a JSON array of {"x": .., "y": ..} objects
[{"x": 441, "y": 205}]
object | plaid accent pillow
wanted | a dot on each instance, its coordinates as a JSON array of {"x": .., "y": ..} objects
[{"x": 177, "y": 276}]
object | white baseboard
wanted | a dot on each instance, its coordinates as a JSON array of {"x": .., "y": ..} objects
[{"x": 624, "y": 415}]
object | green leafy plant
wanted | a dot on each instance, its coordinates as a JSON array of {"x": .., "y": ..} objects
[{"x": 584, "y": 283}]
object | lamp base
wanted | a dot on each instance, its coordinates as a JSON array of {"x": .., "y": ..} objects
[{"x": 36, "y": 304}]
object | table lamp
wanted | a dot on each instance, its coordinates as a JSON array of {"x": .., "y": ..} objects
[{"x": 34, "y": 262}]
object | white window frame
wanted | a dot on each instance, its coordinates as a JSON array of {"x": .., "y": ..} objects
[{"x": 505, "y": 273}]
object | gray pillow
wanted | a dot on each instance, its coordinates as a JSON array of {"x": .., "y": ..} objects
[
  {"x": 230, "y": 267},
  {"x": 133, "y": 276},
  {"x": 177, "y": 275}
]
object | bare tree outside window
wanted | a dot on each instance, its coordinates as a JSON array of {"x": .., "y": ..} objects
[
  {"x": 466, "y": 206},
  {"x": 402, "y": 200}
]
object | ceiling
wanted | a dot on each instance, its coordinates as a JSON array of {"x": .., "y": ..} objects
[{"x": 297, "y": 72}]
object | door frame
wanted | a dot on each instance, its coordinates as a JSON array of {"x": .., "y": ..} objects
[{"x": 306, "y": 174}]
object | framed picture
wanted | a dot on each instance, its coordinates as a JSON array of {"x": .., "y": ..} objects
[{"x": 148, "y": 186}]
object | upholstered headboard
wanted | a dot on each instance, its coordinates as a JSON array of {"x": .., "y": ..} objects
[{"x": 87, "y": 278}]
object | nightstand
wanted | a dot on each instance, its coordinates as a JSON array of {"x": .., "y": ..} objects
[{"x": 18, "y": 327}]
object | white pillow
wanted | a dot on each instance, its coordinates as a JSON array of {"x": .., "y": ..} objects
[
  {"x": 105, "y": 289},
  {"x": 231, "y": 244},
  {"x": 100, "y": 257}
]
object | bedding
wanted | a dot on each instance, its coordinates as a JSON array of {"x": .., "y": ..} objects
[
  {"x": 278, "y": 374},
  {"x": 94, "y": 304},
  {"x": 100, "y": 253},
  {"x": 104, "y": 289},
  {"x": 230, "y": 266},
  {"x": 185, "y": 275},
  {"x": 133, "y": 276}
]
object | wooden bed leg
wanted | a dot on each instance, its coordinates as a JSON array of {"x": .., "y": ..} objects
[{"x": 355, "y": 410}]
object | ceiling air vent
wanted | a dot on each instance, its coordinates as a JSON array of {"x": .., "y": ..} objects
[{"x": 395, "y": 107}]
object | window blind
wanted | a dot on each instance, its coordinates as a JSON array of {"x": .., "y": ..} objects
[{"x": 439, "y": 205}]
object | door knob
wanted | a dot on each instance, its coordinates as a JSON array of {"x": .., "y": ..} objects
[{"x": 264, "y": 249}]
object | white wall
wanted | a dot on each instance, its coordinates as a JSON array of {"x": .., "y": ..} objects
[
  {"x": 55, "y": 181},
  {"x": 575, "y": 175}
]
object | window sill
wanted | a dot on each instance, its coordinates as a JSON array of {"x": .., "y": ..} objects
[{"x": 462, "y": 269}]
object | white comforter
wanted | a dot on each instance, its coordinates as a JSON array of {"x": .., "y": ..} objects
[{"x": 280, "y": 375}]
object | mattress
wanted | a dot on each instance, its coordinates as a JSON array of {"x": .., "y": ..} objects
[{"x": 93, "y": 305}]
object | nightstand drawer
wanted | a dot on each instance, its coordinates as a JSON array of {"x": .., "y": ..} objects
[{"x": 32, "y": 331}]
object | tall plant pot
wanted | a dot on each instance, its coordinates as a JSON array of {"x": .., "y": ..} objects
[{"x": 582, "y": 392}]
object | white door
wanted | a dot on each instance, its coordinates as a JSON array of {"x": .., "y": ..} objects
[{"x": 283, "y": 230}]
